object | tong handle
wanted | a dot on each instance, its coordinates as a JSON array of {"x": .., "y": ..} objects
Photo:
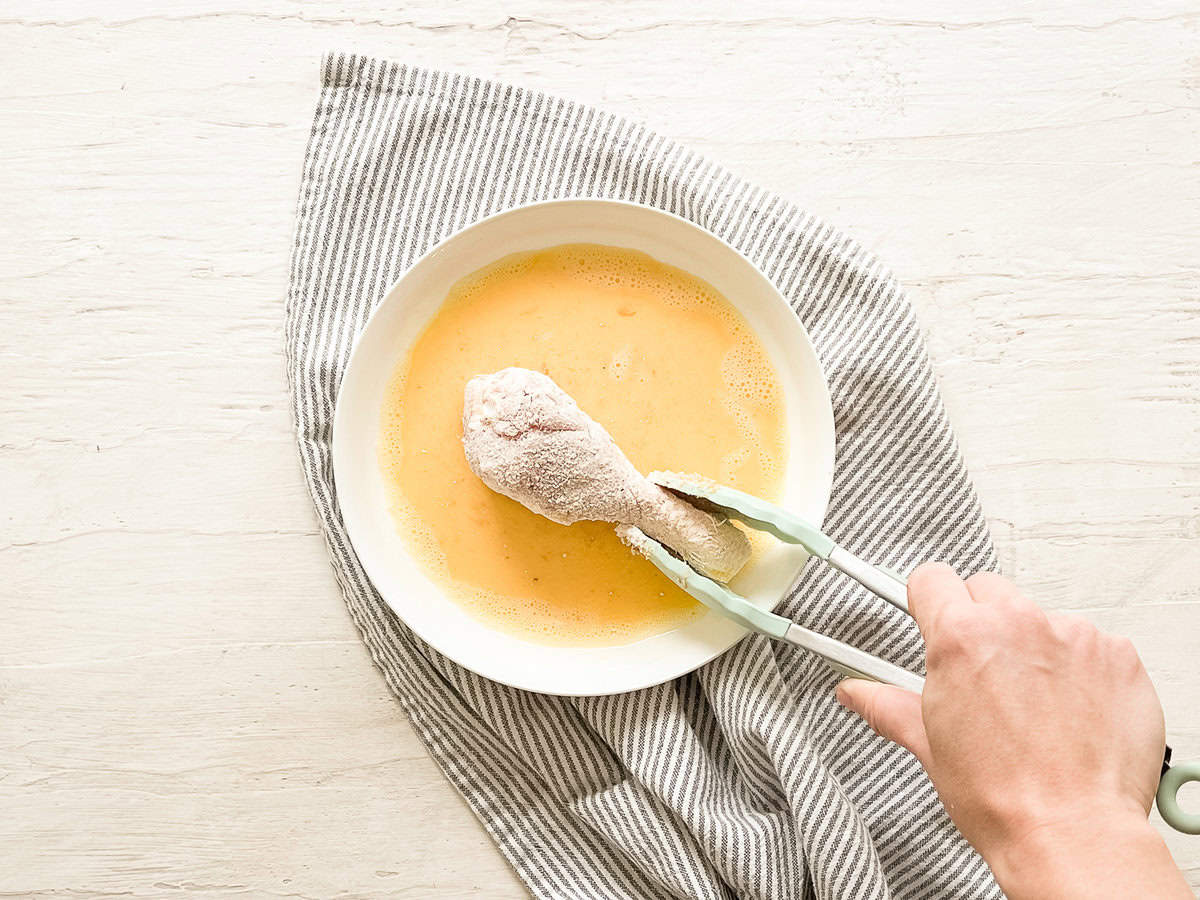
[
  {"x": 1173, "y": 778},
  {"x": 878, "y": 580},
  {"x": 851, "y": 661}
]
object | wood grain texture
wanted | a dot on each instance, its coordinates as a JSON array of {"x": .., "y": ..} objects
[{"x": 184, "y": 704}]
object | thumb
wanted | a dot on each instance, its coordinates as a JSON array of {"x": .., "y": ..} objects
[{"x": 892, "y": 713}]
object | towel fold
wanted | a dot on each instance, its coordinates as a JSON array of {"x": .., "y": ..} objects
[{"x": 744, "y": 778}]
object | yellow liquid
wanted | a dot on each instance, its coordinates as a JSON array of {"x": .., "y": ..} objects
[{"x": 655, "y": 355}]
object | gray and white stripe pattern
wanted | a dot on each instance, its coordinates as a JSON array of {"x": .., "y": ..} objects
[{"x": 744, "y": 778}]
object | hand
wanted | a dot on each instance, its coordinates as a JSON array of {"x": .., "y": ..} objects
[{"x": 1042, "y": 735}]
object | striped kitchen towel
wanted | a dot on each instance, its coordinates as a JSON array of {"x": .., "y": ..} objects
[{"x": 744, "y": 778}]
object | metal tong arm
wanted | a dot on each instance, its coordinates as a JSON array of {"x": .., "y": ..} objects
[
  {"x": 842, "y": 657},
  {"x": 787, "y": 527}
]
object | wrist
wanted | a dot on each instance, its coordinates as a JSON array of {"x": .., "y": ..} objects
[{"x": 1092, "y": 853}]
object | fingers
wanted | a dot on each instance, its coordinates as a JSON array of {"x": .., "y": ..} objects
[
  {"x": 892, "y": 713},
  {"x": 988, "y": 587},
  {"x": 934, "y": 589}
]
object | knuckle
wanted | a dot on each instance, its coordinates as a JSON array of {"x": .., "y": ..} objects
[
  {"x": 933, "y": 567},
  {"x": 970, "y": 627},
  {"x": 928, "y": 574},
  {"x": 1074, "y": 629},
  {"x": 1123, "y": 650},
  {"x": 1029, "y": 610},
  {"x": 1023, "y": 608},
  {"x": 984, "y": 582},
  {"x": 998, "y": 592},
  {"x": 955, "y": 636}
]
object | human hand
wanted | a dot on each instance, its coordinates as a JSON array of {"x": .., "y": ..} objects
[{"x": 1042, "y": 735}]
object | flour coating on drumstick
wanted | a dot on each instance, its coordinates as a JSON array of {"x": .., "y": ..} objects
[{"x": 526, "y": 438}]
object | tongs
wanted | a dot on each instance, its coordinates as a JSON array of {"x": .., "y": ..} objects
[{"x": 789, "y": 528}]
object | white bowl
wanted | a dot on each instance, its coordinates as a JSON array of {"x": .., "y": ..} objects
[{"x": 385, "y": 342}]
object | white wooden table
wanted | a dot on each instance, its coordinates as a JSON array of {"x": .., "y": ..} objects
[{"x": 184, "y": 704}]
